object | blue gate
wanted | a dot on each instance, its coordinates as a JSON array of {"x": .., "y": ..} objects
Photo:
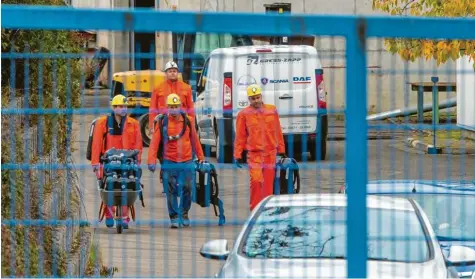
[{"x": 355, "y": 30}]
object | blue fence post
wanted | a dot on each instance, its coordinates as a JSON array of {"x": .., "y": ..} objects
[
  {"x": 435, "y": 116},
  {"x": 356, "y": 150}
]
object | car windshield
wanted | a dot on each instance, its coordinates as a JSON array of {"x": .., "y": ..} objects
[
  {"x": 320, "y": 232},
  {"x": 451, "y": 216}
]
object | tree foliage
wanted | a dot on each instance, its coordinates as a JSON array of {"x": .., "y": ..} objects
[{"x": 440, "y": 50}]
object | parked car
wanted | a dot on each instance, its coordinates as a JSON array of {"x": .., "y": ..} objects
[
  {"x": 450, "y": 207},
  {"x": 291, "y": 77},
  {"x": 304, "y": 236}
]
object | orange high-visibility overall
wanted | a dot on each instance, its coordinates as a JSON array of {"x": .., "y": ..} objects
[
  {"x": 259, "y": 132},
  {"x": 158, "y": 103},
  {"x": 126, "y": 137}
]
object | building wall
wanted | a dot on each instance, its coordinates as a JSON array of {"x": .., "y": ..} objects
[
  {"x": 466, "y": 94},
  {"x": 388, "y": 75}
]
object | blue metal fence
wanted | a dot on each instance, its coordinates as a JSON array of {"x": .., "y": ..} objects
[{"x": 355, "y": 30}]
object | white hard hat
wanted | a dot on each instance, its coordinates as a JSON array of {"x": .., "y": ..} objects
[{"x": 171, "y": 65}]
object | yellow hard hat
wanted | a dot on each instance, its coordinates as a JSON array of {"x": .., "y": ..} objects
[
  {"x": 253, "y": 90},
  {"x": 119, "y": 100},
  {"x": 173, "y": 99}
]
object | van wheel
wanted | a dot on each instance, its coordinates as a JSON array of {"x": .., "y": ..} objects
[
  {"x": 145, "y": 130},
  {"x": 227, "y": 152}
]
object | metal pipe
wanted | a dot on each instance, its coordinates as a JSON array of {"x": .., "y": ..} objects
[{"x": 410, "y": 111}]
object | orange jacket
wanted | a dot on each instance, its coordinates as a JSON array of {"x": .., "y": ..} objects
[
  {"x": 129, "y": 139},
  {"x": 258, "y": 131},
  {"x": 176, "y": 150},
  {"x": 158, "y": 103}
]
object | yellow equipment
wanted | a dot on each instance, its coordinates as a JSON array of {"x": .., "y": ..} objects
[
  {"x": 253, "y": 90},
  {"x": 138, "y": 85}
]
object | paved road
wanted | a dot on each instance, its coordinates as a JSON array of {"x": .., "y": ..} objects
[{"x": 164, "y": 252}]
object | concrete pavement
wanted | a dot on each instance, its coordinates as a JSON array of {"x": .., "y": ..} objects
[{"x": 164, "y": 252}]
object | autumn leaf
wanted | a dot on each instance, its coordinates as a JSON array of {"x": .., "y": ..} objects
[{"x": 440, "y": 50}]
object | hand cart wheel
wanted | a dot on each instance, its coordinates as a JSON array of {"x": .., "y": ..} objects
[{"x": 119, "y": 219}]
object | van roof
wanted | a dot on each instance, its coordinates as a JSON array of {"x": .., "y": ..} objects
[{"x": 241, "y": 50}]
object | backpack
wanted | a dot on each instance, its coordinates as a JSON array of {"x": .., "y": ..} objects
[
  {"x": 162, "y": 120},
  {"x": 206, "y": 192},
  {"x": 89, "y": 140},
  {"x": 287, "y": 177}
]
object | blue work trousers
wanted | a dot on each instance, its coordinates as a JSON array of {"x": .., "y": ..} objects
[{"x": 179, "y": 178}]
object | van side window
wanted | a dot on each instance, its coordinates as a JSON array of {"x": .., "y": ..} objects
[{"x": 204, "y": 73}]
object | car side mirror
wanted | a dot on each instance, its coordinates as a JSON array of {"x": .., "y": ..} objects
[
  {"x": 460, "y": 255},
  {"x": 215, "y": 249}
]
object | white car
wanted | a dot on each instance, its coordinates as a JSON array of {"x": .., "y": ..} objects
[
  {"x": 291, "y": 78},
  {"x": 304, "y": 236}
]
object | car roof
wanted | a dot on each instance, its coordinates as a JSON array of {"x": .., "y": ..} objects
[
  {"x": 326, "y": 199},
  {"x": 420, "y": 186},
  {"x": 240, "y": 50}
]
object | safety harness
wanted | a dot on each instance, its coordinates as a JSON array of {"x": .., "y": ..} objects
[{"x": 162, "y": 121}]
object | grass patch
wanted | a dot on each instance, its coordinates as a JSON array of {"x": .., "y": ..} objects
[
  {"x": 95, "y": 264},
  {"x": 445, "y": 117},
  {"x": 448, "y": 139}
]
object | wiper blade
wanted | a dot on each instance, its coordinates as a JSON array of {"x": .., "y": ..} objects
[
  {"x": 446, "y": 238},
  {"x": 378, "y": 259}
]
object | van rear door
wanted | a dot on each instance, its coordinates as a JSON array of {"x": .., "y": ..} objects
[
  {"x": 295, "y": 90},
  {"x": 248, "y": 70}
]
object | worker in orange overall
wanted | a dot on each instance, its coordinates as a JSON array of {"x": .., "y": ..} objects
[
  {"x": 259, "y": 132},
  {"x": 119, "y": 131},
  {"x": 169, "y": 86},
  {"x": 179, "y": 141}
]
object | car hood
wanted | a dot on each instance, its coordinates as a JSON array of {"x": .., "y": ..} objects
[{"x": 325, "y": 268}]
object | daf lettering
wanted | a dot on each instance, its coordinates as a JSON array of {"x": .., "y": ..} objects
[{"x": 302, "y": 78}]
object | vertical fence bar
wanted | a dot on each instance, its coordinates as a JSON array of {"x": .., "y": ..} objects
[{"x": 356, "y": 150}]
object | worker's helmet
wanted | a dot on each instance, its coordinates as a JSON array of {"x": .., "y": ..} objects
[
  {"x": 253, "y": 90},
  {"x": 173, "y": 99},
  {"x": 119, "y": 100},
  {"x": 171, "y": 65}
]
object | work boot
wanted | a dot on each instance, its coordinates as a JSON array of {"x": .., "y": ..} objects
[
  {"x": 109, "y": 222},
  {"x": 186, "y": 220},
  {"x": 174, "y": 221}
]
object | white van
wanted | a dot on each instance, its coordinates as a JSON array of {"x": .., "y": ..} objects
[{"x": 291, "y": 77}]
